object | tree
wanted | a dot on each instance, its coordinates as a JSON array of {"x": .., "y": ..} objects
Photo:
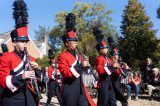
[
  {"x": 138, "y": 39},
  {"x": 55, "y": 37},
  {"x": 43, "y": 62},
  {"x": 87, "y": 17},
  {"x": 53, "y": 41},
  {"x": 41, "y": 33}
]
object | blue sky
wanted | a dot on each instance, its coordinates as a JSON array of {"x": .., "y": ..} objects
[{"x": 42, "y": 12}]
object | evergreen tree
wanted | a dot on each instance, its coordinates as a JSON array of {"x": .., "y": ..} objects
[{"x": 138, "y": 39}]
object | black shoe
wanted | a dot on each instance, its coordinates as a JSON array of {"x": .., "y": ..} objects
[{"x": 151, "y": 98}]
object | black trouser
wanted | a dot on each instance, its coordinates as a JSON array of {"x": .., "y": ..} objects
[
  {"x": 106, "y": 95},
  {"x": 41, "y": 86},
  {"x": 53, "y": 89},
  {"x": 21, "y": 97},
  {"x": 118, "y": 90},
  {"x": 73, "y": 93},
  {"x": 1, "y": 92}
]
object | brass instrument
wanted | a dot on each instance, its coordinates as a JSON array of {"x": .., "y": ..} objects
[{"x": 33, "y": 81}]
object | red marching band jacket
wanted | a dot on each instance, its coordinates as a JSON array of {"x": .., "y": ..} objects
[
  {"x": 117, "y": 71},
  {"x": 66, "y": 63},
  {"x": 51, "y": 75},
  {"x": 102, "y": 66},
  {"x": 53, "y": 71},
  {"x": 11, "y": 72}
]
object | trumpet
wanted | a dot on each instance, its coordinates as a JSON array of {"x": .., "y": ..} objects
[
  {"x": 93, "y": 73},
  {"x": 33, "y": 81}
]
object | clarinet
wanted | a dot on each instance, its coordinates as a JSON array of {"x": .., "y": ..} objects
[
  {"x": 122, "y": 72},
  {"x": 33, "y": 81},
  {"x": 94, "y": 74}
]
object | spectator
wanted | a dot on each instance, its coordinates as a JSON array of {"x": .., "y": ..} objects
[
  {"x": 146, "y": 70},
  {"x": 42, "y": 84},
  {"x": 45, "y": 79},
  {"x": 134, "y": 81},
  {"x": 92, "y": 87},
  {"x": 124, "y": 79},
  {"x": 154, "y": 82}
]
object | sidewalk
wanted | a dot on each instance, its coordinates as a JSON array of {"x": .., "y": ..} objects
[{"x": 141, "y": 102}]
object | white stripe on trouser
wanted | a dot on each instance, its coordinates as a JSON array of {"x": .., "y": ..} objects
[{"x": 9, "y": 83}]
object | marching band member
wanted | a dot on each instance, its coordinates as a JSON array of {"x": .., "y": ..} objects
[
  {"x": 117, "y": 75},
  {"x": 106, "y": 95},
  {"x": 14, "y": 77},
  {"x": 4, "y": 50},
  {"x": 53, "y": 86},
  {"x": 71, "y": 67}
]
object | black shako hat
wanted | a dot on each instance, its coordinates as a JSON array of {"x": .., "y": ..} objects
[
  {"x": 20, "y": 15},
  {"x": 70, "y": 33},
  {"x": 99, "y": 37}
]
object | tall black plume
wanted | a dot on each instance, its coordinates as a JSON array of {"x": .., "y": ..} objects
[
  {"x": 70, "y": 22},
  {"x": 50, "y": 54},
  {"x": 98, "y": 34},
  {"x": 20, "y": 13},
  {"x": 111, "y": 42}
]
